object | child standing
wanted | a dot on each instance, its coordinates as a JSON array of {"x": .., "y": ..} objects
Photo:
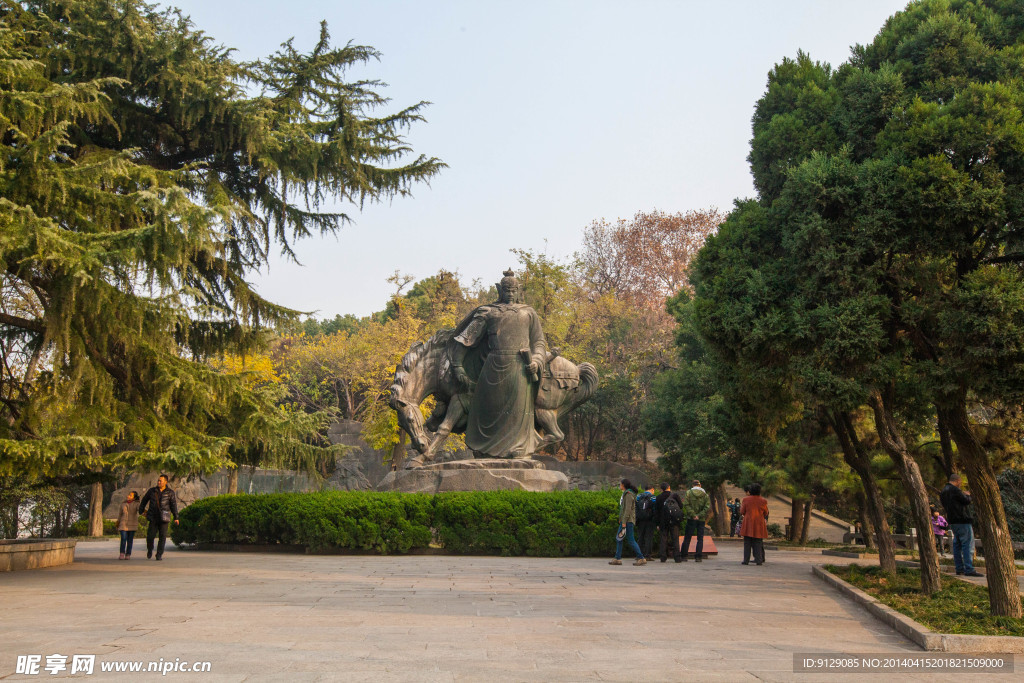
[
  {"x": 128, "y": 524},
  {"x": 939, "y": 527}
]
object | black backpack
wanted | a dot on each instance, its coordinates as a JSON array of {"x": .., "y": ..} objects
[
  {"x": 673, "y": 513},
  {"x": 645, "y": 507}
]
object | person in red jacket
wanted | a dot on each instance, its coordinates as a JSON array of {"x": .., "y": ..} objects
[{"x": 754, "y": 527}]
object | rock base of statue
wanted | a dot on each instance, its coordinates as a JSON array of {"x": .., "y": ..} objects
[{"x": 483, "y": 474}]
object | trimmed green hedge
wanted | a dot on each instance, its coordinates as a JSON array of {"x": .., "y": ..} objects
[
  {"x": 560, "y": 524},
  {"x": 358, "y": 520}
]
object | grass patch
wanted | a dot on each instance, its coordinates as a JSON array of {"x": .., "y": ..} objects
[
  {"x": 855, "y": 549},
  {"x": 870, "y": 551},
  {"x": 960, "y": 607},
  {"x": 978, "y": 562},
  {"x": 946, "y": 561}
]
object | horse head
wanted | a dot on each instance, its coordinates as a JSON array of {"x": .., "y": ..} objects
[
  {"x": 410, "y": 418},
  {"x": 417, "y": 377}
]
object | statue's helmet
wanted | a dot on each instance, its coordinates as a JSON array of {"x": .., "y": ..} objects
[
  {"x": 509, "y": 289},
  {"x": 510, "y": 279}
]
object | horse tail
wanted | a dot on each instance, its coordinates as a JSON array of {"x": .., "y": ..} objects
[{"x": 586, "y": 388}]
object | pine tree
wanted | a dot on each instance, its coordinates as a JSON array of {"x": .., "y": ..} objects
[{"x": 144, "y": 173}]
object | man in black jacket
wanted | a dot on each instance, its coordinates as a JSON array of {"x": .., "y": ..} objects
[
  {"x": 669, "y": 528},
  {"x": 160, "y": 505},
  {"x": 960, "y": 520}
]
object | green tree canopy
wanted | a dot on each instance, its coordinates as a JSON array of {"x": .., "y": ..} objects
[
  {"x": 143, "y": 173},
  {"x": 881, "y": 263}
]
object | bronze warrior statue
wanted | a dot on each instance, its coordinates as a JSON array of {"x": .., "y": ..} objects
[{"x": 493, "y": 378}]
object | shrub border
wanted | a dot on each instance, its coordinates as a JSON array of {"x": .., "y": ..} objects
[
  {"x": 919, "y": 634},
  {"x": 506, "y": 523},
  {"x": 297, "y": 549}
]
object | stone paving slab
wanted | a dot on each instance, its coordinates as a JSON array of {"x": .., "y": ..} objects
[{"x": 271, "y": 617}]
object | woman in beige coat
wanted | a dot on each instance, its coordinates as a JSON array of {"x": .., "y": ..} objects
[{"x": 128, "y": 524}]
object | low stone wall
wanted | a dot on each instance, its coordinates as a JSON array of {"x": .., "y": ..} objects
[
  {"x": 596, "y": 475},
  {"x": 26, "y": 553}
]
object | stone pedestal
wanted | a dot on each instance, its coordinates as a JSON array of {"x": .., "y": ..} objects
[
  {"x": 518, "y": 474},
  {"x": 709, "y": 548}
]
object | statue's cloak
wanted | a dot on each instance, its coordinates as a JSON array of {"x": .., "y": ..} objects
[{"x": 501, "y": 413}]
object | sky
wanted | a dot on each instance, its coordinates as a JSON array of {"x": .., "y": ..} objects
[{"x": 549, "y": 114}]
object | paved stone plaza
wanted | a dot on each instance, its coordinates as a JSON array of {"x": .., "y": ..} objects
[{"x": 273, "y": 616}]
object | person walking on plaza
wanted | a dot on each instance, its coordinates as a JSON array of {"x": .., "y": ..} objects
[
  {"x": 734, "y": 517},
  {"x": 754, "y": 527},
  {"x": 627, "y": 520},
  {"x": 160, "y": 506},
  {"x": 697, "y": 505},
  {"x": 939, "y": 527},
  {"x": 670, "y": 515},
  {"x": 646, "y": 520},
  {"x": 957, "y": 504},
  {"x": 128, "y": 524}
]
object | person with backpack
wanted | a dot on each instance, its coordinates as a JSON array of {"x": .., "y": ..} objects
[
  {"x": 646, "y": 522},
  {"x": 697, "y": 505},
  {"x": 669, "y": 508},
  {"x": 734, "y": 517},
  {"x": 627, "y": 519}
]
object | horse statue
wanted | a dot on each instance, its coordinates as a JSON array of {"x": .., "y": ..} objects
[{"x": 426, "y": 370}]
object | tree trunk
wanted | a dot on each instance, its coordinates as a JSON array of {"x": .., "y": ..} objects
[
  {"x": 349, "y": 403},
  {"x": 96, "y": 509},
  {"x": 1000, "y": 570},
  {"x": 856, "y": 456},
  {"x": 233, "y": 480},
  {"x": 805, "y": 528},
  {"x": 722, "y": 516},
  {"x": 796, "y": 519},
  {"x": 398, "y": 451},
  {"x": 865, "y": 523},
  {"x": 917, "y": 494},
  {"x": 719, "y": 512},
  {"x": 947, "y": 446},
  {"x": 715, "y": 514}
]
